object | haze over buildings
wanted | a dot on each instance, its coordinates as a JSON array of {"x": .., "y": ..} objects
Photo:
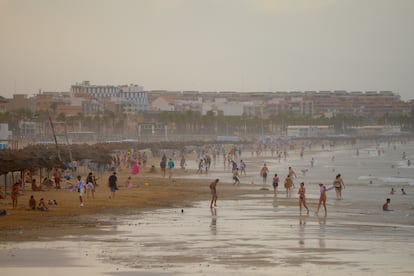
[{"x": 232, "y": 45}]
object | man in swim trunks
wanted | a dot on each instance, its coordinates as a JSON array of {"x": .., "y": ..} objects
[{"x": 213, "y": 192}]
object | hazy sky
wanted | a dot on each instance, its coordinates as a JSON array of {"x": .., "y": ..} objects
[{"x": 208, "y": 45}]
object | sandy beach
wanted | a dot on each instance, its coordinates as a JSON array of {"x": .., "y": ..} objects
[{"x": 166, "y": 227}]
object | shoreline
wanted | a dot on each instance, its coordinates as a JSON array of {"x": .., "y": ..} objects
[
  {"x": 153, "y": 191},
  {"x": 251, "y": 232}
]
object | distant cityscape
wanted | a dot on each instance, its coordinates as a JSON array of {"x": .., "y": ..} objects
[
  {"x": 88, "y": 99},
  {"x": 101, "y": 109}
]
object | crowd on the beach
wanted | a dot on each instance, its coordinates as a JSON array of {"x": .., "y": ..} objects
[
  {"x": 205, "y": 157},
  {"x": 338, "y": 184}
]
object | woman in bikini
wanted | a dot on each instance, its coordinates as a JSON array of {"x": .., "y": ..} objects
[
  {"x": 338, "y": 183},
  {"x": 322, "y": 198},
  {"x": 302, "y": 198}
]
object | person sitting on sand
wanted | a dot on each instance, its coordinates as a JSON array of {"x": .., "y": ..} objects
[
  {"x": 42, "y": 205},
  {"x": 32, "y": 203},
  {"x": 35, "y": 188},
  {"x": 129, "y": 184},
  {"x": 403, "y": 191},
  {"x": 386, "y": 205}
]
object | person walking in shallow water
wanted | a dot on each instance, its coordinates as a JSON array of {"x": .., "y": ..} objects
[
  {"x": 213, "y": 191},
  {"x": 263, "y": 173},
  {"x": 338, "y": 183},
  {"x": 275, "y": 183},
  {"x": 288, "y": 185},
  {"x": 322, "y": 197},
  {"x": 302, "y": 198},
  {"x": 236, "y": 177}
]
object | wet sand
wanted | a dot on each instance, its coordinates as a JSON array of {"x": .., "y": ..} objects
[{"x": 172, "y": 231}]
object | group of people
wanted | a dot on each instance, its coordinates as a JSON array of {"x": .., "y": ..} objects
[
  {"x": 164, "y": 164},
  {"x": 338, "y": 184},
  {"x": 393, "y": 191},
  {"x": 238, "y": 171},
  {"x": 42, "y": 204},
  {"x": 386, "y": 205},
  {"x": 86, "y": 187}
]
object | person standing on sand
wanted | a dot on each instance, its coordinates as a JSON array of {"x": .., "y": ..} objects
[
  {"x": 322, "y": 198},
  {"x": 338, "y": 183},
  {"x": 163, "y": 164},
  {"x": 302, "y": 198},
  {"x": 182, "y": 162},
  {"x": 213, "y": 192},
  {"x": 112, "y": 185},
  {"x": 170, "y": 168},
  {"x": 81, "y": 189},
  {"x": 57, "y": 176},
  {"x": 15, "y": 194},
  {"x": 90, "y": 187}
]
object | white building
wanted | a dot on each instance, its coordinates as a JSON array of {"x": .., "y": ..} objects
[
  {"x": 132, "y": 96},
  {"x": 5, "y": 135},
  {"x": 309, "y": 131},
  {"x": 163, "y": 103}
]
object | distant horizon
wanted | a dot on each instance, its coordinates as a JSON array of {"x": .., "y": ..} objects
[{"x": 208, "y": 45}]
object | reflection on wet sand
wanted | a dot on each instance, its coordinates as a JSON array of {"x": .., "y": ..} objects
[
  {"x": 322, "y": 230},
  {"x": 213, "y": 224},
  {"x": 302, "y": 224}
]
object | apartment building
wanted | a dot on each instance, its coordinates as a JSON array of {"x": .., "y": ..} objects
[{"x": 133, "y": 97}]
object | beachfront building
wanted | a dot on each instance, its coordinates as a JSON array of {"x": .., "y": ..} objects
[
  {"x": 370, "y": 104},
  {"x": 163, "y": 103},
  {"x": 309, "y": 131},
  {"x": 133, "y": 97},
  {"x": 5, "y": 136},
  {"x": 376, "y": 130}
]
